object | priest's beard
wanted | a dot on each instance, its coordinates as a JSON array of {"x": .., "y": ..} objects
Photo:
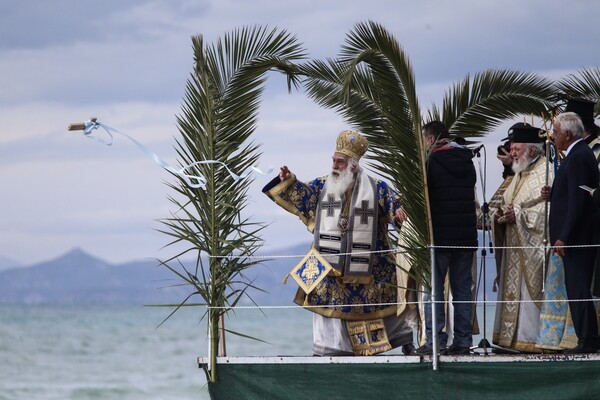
[
  {"x": 521, "y": 164},
  {"x": 340, "y": 183}
]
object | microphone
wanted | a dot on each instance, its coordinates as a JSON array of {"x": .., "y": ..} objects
[{"x": 477, "y": 149}]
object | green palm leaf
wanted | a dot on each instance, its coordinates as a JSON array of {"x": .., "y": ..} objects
[
  {"x": 372, "y": 85},
  {"x": 472, "y": 109},
  {"x": 218, "y": 118},
  {"x": 585, "y": 84}
]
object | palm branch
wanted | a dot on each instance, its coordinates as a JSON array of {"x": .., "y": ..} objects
[
  {"x": 473, "y": 108},
  {"x": 218, "y": 117},
  {"x": 372, "y": 86},
  {"x": 585, "y": 84}
]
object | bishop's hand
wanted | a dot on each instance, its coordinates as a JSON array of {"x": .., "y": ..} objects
[{"x": 284, "y": 173}]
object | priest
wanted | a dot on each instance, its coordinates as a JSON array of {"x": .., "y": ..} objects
[
  {"x": 520, "y": 220},
  {"x": 348, "y": 212}
]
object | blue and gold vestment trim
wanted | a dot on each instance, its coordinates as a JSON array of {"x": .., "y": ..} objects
[{"x": 368, "y": 337}]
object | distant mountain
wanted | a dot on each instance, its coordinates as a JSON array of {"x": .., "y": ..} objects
[
  {"x": 7, "y": 263},
  {"x": 79, "y": 278}
]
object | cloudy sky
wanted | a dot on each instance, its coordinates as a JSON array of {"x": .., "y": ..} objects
[{"x": 127, "y": 63}]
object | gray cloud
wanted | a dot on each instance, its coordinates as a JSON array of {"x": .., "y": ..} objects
[
  {"x": 127, "y": 62},
  {"x": 40, "y": 24}
]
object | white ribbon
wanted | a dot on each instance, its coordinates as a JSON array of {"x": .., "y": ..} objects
[{"x": 182, "y": 172}]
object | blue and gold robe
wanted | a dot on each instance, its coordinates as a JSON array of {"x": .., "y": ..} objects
[{"x": 378, "y": 297}]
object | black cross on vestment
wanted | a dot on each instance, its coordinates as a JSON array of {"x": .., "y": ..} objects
[
  {"x": 364, "y": 212},
  {"x": 330, "y": 205}
]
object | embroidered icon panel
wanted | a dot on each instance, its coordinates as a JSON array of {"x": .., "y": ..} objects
[{"x": 310, "y": 271}]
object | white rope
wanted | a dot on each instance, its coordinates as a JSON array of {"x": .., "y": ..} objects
[
  {"x": 398, "y": 251},
  {"x": 477, "y": 302},
  {"x": 274, "y": 257}
]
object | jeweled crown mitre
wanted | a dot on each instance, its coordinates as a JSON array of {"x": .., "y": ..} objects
[{"x": 352, "y": 144}]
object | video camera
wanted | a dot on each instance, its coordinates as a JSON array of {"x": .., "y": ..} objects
[{"x": 505, "y": 146}]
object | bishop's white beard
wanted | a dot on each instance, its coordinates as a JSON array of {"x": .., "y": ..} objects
[
  {"x": 340, "y": 183},
  {"x": 521, "y": 164}
]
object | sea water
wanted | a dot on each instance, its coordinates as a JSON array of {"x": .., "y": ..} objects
[{"x": 119, "y": 352}]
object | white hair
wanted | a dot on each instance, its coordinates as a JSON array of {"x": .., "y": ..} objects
[
  {"x": 571, "y": 123},
  {"x": 353, "y": 165},
  {"x": 521, "y": 164},
  {"x": 539, "y": 148}
]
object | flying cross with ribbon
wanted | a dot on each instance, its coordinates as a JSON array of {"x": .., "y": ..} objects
[{"x": 193, "y": 181}]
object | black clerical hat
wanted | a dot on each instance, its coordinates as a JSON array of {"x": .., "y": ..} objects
[
  {"x": 510, "y": 132},
  {"x": 585, "y": 109},
  {"x": 524, "y": 133}
]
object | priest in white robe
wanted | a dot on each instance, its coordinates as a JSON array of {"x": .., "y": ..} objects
[{"x": 520, "y": 221}]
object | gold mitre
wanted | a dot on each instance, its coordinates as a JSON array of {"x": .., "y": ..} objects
[{"x": 352, "y": 144}]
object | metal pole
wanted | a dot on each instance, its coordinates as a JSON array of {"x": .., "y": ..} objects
[
  {"x": 545, "y": 240},
  {"x": 209, "y": 363},
  {"x": 222, "y": 335},
  {"x": 545, "y": 134},
  {"x": 434, "y": 333}
]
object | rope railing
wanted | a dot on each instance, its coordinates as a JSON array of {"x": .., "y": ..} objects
[
  {"x": 398, "y": 251},
  {"x": 478, "y": 302}
]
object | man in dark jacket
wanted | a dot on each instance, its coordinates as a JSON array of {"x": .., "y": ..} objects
[{"x": 451, "y": 184}]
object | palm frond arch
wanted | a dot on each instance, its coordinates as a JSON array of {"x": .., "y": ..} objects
[{"x": 372, "y": 85}]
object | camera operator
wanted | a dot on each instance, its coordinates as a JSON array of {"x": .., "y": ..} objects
[{"x": 504, "y": 154}]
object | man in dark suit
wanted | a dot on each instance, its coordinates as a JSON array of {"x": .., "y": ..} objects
[
  {"x": 571, "y": 225},
  {"x": 585, "y": 109}
]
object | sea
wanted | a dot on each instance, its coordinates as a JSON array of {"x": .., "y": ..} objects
[
  {"x": 115, "y": 352},
  {"x": 121, "y": 352}
]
